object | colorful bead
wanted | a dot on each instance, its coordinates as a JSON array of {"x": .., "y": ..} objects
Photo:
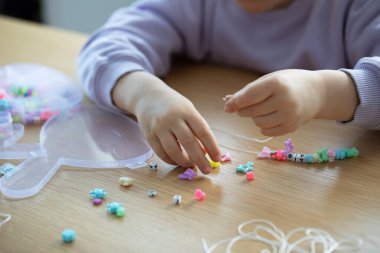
[
  {"x": 265, "y": 153},
  {"x": 97, "y": 201},
  {"x": 225, "y": 157},
  {"x": 152, "y": 193},
  {"x": 187, "y": 175},
  {"x": 153, "y": 165},
  {"x": 278, "y": 155},
  {"x": 340, "y": 154},
  {"x": 244, "y": 168},
  {"x": 125, "y": 181},
  {"x": 331, "y": 154},
  {"x": 98, "y": 193},
  {"x": 288, "y": 146},
  {"x": 68, "y": 235},
  {"x": 112, "y": 207},
  {"x": 214, "y": 164},
  {"x": 323, "y": 155},
  {"x": 351, "y": 152},
  {"x": 177, "y": 199},
  {"x": 199, "y": 194},
  {"x": 120, "y": 212},
  {"x": 250, "y": 175}
]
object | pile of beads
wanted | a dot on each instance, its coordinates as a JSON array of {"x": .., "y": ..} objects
[
  {"x": 97, "y": 195},
  {"x": 116, "y": 208},
  {"x": 320, "y": 155}
]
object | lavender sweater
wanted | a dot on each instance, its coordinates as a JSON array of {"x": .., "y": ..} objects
[{"x": 308, "y": 34}]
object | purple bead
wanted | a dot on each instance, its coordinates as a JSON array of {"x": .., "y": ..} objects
[{"x": 96, "y": 201}]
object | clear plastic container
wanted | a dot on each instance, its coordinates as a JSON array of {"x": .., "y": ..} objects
[
  {"x": 33, "y": 93},
  {"x": 87, "y": 138}
]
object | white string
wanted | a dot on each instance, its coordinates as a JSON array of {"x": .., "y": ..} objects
[
  {"x": 311, "y": 238},
  {"x": 6, "y": 217},
  {"x": 242, "y": 136}
]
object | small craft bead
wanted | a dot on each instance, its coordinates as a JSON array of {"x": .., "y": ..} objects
[
  {"x": 125, "y": 181},
  {"x": 68, "y": 235},
  {"x": 152, "y": 193},
  {"x": 315, "y": 158},
  {"x": 214, "y": 164},
  {"x": 323, "y": 155},
  {"x": 112, "y": 207},
  {"x": 98, "y": 193},
  {"x": 225, "y": 157},
  {"x": 187, "y": 175},
  {"x": 278, "y": 155},
  {"x": 177, "y": 199},
  {"x": 153, "y": 166},
  {"x": 308, "y": 158},
  {"x": 244, "y": 168},
  {"x": 331, "y": 154},
  {"x": 120, "y": 212},
  {"x": 340, "y": 154},
  {"x": 288, "y": 146},
  {"x": 96, "y": 201},
  {"x": 199, "y": 194},
  {"x": 351, "y": 152},
  {"x": 265, "y": 152},
  {"x": 250, "y": 175}
]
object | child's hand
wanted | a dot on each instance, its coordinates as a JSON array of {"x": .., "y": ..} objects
[
  {"x": 173, "y": 127},
  {"x": 280, "y": 102}
]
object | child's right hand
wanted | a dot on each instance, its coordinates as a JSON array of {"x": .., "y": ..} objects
[{"x": 173, "y": 127}]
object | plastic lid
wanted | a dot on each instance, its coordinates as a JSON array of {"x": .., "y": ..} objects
[
  {"x": 33, "y": 93},
  {"x": 89, "y": 138}
]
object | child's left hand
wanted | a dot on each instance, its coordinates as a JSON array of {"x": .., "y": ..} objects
[{"x": 280, "y": 102}]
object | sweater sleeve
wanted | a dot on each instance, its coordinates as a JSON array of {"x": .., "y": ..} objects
[
  {"x": 363, "y": 51},
  {"x": 141, "y": 37}
]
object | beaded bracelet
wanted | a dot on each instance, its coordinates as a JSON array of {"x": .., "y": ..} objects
[{"x": 320, "y": 155}]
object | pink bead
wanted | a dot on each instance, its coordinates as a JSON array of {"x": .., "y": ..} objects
[
  {"x": 199, "y": 194},
  {"x": 265, "y": 153},
  {"x": 225, "y": 157},
  {"x": 250, "y": 175},
  {"x": 96, "y": 201}
]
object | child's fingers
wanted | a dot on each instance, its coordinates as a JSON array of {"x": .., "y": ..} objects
[
  {"x": 204, "y": 134},
  {"x": 190, "y": 143},
  {"x": 159, "y": 150},
  {"x": 268, "y": 106},
  {"x": 269, "y": 120},
  {"x": 251, "y": 94},
  {"x": 174, "y": 150}
]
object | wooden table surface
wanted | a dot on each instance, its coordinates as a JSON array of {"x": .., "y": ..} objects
[{"x": 340, "y": 197}]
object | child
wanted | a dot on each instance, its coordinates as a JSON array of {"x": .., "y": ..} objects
[{"x": 322, "y": 56}]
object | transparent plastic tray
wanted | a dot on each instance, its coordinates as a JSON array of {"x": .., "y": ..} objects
[{"x": 88, "y": 138}]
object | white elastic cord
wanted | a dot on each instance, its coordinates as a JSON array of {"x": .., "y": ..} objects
[
  {"x": 6, "y": 217},
  {"x": 242, "y": 136},
  {"x": 309, "y": 240}
]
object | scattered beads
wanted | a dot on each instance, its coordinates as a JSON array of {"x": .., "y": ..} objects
[
  {"x": 153, "y": 166},
  {"x": 199, "y": 194},
  {"x": 152, "y": 193},
  {"x": 97, "y": 202},
  {"x": 98, "y": 193},
  {"x": 250, "y": 175},
  {"x": 177, "y": 199},
  {"x": 187, "y": 175},
  {"x": 125, "y": 181},
  {"x": 226, "y": 157},
  {"x": 68, "y": 235},
  {"x": 320, "y": 156},
  {"x": 244, "y": 168}
]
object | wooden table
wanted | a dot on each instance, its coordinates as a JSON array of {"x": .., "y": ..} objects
[{"x": 341, "y": 197}]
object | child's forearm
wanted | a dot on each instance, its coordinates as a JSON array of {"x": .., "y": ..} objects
[
  {"x": 341, "y": 98},
  {"x": 133, "y": 87}
]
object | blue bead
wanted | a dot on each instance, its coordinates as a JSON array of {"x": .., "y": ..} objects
[
  {"x": 112, "y": 207},
  {"x": 340, "y": 154},
  {"x": 68, "y": 235},
  {"x": 98, "y": 193}
]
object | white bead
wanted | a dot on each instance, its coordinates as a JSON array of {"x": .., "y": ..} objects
[
  {"x": 153, "y": 166},
  {"x": 125, "y": 181},
  {"x": 177, "y": 199},
  {"x": 152, "y": 193}
]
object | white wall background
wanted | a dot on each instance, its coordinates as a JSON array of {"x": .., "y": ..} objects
[{"x": 79, "y": 15}]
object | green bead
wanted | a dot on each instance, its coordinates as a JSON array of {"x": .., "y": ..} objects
[{"x": 120, "y": 212}]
